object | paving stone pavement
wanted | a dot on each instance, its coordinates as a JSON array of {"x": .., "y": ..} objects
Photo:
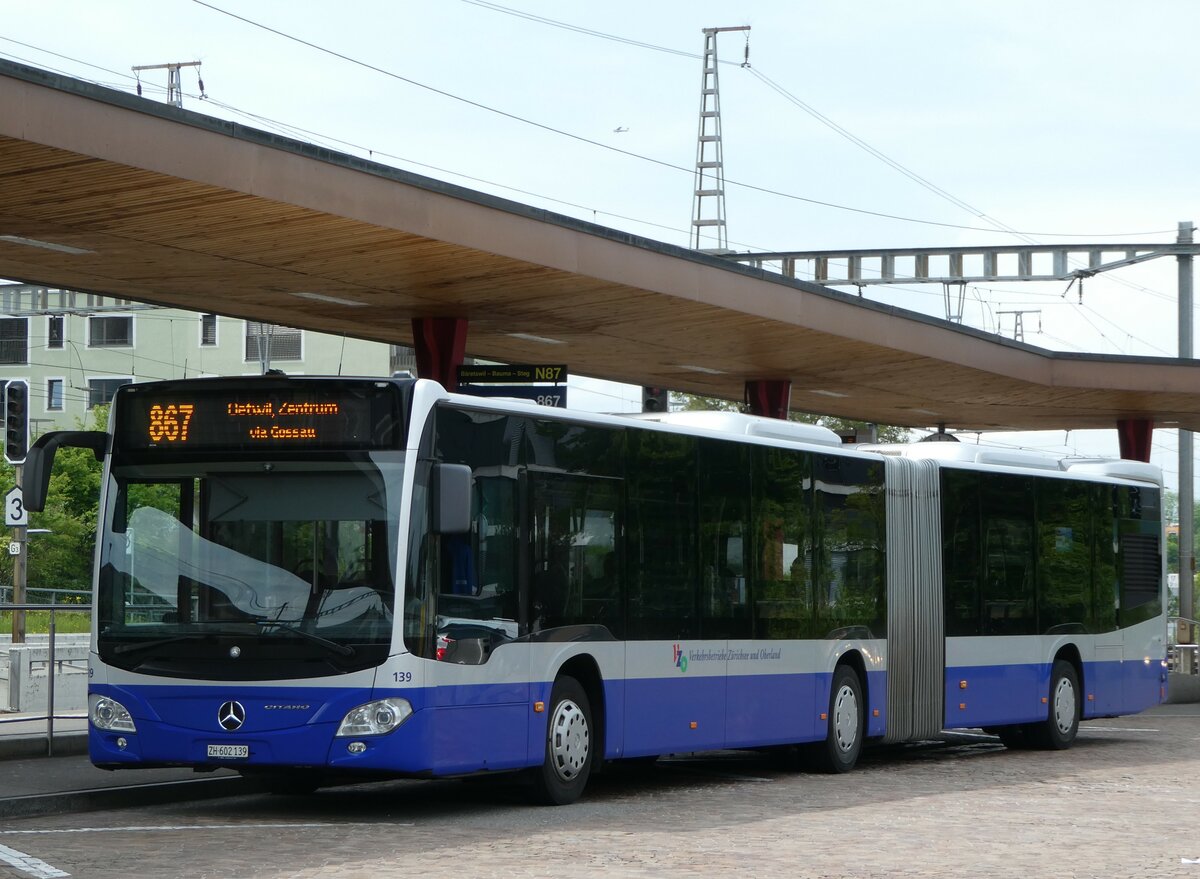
[{"x": 1124, "y": 802}]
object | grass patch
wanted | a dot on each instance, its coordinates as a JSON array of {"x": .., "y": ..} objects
[{"x": 37, "y": 622}]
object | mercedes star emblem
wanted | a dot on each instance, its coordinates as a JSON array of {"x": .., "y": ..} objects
[{"x": 231, "y": 716}]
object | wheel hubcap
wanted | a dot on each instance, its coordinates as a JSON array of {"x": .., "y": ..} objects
[
  {"x": 845, "y": 718},
  {"x": 1064, "y": 706},
  {"x": 569, "y": 740}
]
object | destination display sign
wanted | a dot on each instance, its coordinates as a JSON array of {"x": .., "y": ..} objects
[
  {"x": 312, "y": 415},
  {"x": 511, "y": 374},
  {"x": 540, "y": 394}
]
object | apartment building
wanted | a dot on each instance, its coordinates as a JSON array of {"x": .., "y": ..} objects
[{"x": 75, "y": 349}]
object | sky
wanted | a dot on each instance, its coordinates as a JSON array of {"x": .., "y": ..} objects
[{"x": 1051, "y": 122}]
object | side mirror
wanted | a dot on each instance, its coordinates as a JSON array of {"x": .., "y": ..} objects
[
  {"x": 39, "y": 462},
  {"x": 451, "y": 498}
]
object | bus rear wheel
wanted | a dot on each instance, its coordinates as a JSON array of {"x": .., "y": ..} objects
[
  {"x": 847, "y": 719},
  {"x": 568, "y": 758},
  {"x": 1058, "y": 730}
]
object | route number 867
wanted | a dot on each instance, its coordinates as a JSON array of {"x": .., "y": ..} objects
[{"x": 170, "y": 422}]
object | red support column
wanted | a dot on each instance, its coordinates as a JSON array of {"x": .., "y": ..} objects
[
  {"x": 439, "y": 343},
  {"x": 1134, "y": 435},
  {"x": 769, "y": 397}
]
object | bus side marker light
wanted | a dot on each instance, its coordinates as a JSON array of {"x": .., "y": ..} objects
[
  {"x": 693, "y": 725},
  {"x": 962, "y": 685},
  {"x": 824, "y": 716},
  {"x": 1045, "y": 700},
  {"x": 1091, "y": 697},
  {"x": 539, "y": 707},
  {"x": 356, "y": 747},
  {"x": 875, "y": 713},
  {"x": 962, "y": 706}
]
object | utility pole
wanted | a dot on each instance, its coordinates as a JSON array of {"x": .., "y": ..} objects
[
  {"x": 16, "y": 446},
  {"x": 1187, "y": 561},
  {"x": 20, "y": 566},
  {"x": 708, "y": 203},
  {"x": 174, "y": 88}
]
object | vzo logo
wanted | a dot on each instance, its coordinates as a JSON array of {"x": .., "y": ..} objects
[{"x": 680, "y": 659}]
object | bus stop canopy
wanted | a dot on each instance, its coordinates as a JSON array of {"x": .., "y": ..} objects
[{"x": 105, "y": 192}]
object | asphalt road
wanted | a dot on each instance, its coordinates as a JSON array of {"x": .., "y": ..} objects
[{"x": 1122, "y": 802}]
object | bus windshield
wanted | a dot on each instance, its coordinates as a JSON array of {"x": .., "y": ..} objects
[{"x": 250, "y": 569}]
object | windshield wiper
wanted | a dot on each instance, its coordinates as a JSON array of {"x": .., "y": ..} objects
[
  {"x": 149, "y": 645},
  {"x": 334, "y": 646}
]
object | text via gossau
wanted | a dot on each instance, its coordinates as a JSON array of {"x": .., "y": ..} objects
[{"x": 735, "y": 655}]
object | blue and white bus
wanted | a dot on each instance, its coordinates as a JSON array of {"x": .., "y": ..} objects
[{"x": 312, "y": 578}]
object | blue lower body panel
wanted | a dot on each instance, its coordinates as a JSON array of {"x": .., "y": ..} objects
[{"x": 998, "y": 695}]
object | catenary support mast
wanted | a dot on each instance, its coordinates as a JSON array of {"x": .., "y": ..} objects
[{"x": 708, "y": 202}]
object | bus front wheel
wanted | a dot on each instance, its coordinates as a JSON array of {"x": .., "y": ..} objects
[
  {"x": 847, "y": 713},
  {"x": 1058, "y": 730},
  {"x": 568, "y": 759}
]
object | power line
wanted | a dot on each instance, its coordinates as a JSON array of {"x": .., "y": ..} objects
[
  {"x": 291, "y": 130},
  {"x": 586, "y": 140},
  {"x": 816, "y": 114}
]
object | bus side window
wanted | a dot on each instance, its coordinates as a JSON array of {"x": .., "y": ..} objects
[
  {"x": 783, "y": 588},
  {"x": 1009, "y": 602},
  {"x": 662, "y": 542},
  {"x": 574, "y": 571}
]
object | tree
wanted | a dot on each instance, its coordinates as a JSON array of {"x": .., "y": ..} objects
[
  {"x": 62, "y": 557},
  {"x": 1170, "y": 507},
  {"x": 695, "y": 403}
]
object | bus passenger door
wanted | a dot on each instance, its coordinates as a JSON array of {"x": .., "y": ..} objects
[{"x": 481, "y": 673}]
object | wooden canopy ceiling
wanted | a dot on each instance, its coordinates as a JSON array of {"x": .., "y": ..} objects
[{"x": 146, "y": 202}]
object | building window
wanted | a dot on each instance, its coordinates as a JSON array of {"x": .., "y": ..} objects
[
  {"x": 267, "y": 342},
  {"x": 54, "y": 394},
  {"x": 55, "y": 331},
  {"x": 208, "y": 330},
  {"x": 14, "y": 340},
  {"x": 101, "y": 390},
  {"x": 110, "y": 332}
]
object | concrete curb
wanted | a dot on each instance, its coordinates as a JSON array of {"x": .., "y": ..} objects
[
  {"x": 1183, "y": 688},
  {"x": 97, "y": 799},
  {"x": 22, "y": 747}
]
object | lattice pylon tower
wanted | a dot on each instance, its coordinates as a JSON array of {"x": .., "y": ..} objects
[{"x": 708, "y": 202}]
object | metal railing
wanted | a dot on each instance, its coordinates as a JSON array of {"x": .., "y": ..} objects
[
  {"x": 51, "y": 665},
  {"x": 39, "y": 594}
]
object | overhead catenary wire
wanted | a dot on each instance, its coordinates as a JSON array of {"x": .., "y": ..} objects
[
  {"x": 756, "y": 71},
  {"x": 574, "y": 205},
  {"x": 590, "y": 141}
]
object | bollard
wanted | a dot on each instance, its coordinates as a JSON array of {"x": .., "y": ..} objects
[{"x": 50, "y": 676}]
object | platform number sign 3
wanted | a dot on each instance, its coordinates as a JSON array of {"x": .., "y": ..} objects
[{"x": 15, "y": 513}]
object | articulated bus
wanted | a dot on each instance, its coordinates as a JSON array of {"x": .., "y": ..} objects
[{"x": 307, "y": 579}]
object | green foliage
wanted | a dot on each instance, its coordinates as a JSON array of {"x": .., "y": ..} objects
[
  {"x": 885, "y": 433},
  {"x": 693, "y": 403},
  {"x": 37, "y": 622},
  {"x": 62, "y": 558},
  {"x": 1170, "y": 506}
]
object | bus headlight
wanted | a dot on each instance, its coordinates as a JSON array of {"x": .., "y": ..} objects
[
  {"x": 375, "y": 718},
  {"x": 109, "y": 714}
]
